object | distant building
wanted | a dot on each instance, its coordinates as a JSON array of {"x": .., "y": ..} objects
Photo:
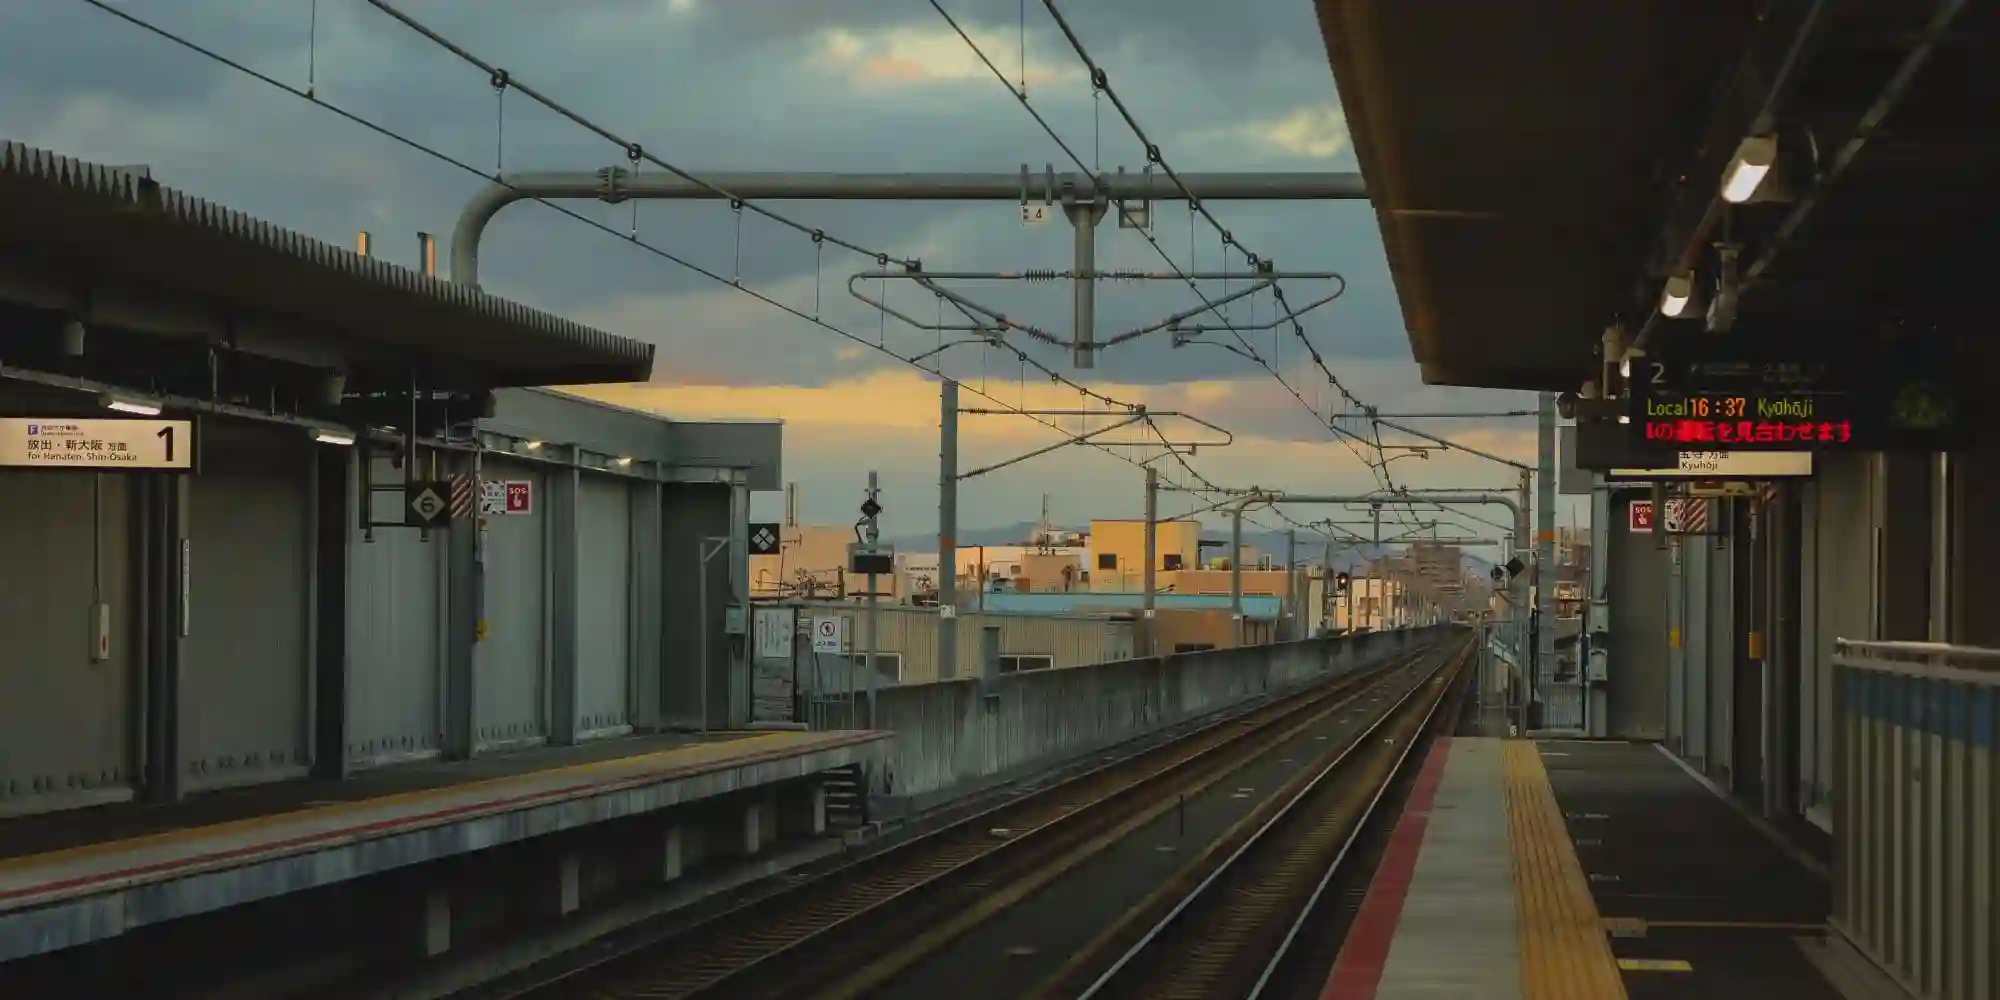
[
  {"x": 812, "y": 563},
  {"x": 1117, "y": 553}
]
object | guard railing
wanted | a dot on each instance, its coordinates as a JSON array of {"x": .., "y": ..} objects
[{"x": 1916, "y": 786}]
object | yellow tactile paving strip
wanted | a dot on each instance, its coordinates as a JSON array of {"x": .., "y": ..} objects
[
  {"x": 345, "y": 820},
  {"x": 1564, "y": 952}
]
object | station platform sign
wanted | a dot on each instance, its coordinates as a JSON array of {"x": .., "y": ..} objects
[
  {"x": 1751, "y": 394},
  {"x": 97, "y": 444}
]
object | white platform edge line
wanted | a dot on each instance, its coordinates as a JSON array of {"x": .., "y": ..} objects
[{"x": 1762, "y": 825}]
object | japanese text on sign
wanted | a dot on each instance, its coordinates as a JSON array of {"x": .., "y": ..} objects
[
  {"x": 1741, "y": 432},
  {"x": 97, "y": 444}
]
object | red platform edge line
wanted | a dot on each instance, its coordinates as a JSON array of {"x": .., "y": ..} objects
[{"x": 1358, "y": 971}]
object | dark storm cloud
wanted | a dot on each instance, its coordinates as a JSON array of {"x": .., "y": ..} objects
[{"x": 692, "y": 81}]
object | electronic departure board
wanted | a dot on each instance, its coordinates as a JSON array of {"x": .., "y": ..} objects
[{"x": 1740, "y": 395}]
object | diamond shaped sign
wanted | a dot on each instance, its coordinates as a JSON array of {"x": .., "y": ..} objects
[
  {"x": 424, "y": 504},
  {"x": 764, "y": 538}
]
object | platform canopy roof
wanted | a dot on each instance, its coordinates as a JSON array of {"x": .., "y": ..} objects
[
  {"x": 1539, "y": 168},
  {"x": 377, "y": 319}
]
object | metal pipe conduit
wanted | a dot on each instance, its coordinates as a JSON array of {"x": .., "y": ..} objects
[{"x": 616, "y": 185}]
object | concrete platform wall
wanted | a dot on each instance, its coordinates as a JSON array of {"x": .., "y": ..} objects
[{"x": 956, "y": 737}]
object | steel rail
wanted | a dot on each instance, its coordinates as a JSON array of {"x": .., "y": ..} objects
[{"x": 1109, "y": 979}]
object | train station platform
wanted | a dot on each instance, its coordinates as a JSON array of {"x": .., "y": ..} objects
[
  {"x": 1571, "y": 870},
  {"x": 74, "y": 878}
]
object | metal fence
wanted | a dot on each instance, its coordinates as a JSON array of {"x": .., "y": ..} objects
[{"x": 1917, "y": 871}]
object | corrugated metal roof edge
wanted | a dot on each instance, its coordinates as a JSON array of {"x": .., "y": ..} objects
[{"x": 103, "y": 181}]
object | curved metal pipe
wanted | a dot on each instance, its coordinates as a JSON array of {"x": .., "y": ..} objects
[{"x": 615, "y": 185}]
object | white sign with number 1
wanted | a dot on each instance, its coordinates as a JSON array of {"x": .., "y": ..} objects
[{"x": 96, "y": 445}]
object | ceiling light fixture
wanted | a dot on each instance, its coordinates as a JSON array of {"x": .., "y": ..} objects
[
  {"x": 1752, "y": 163},
  {"x": 131, "y": 404},
  {"x": 1674, "y": 298},
  {"x": 341, "y": 438},
  {"x": 531, "y": 445},
  {"x": 623, "y": 461}
]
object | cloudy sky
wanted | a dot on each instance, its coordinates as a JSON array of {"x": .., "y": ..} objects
[{"x": 804, "y": 85}]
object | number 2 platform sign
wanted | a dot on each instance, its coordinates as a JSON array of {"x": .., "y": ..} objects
[{"x": 97, "y": 445}]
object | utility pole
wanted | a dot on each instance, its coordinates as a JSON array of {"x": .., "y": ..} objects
[
  {"x": 947, "y": 632},
  {"x": 1147, "y": 615},
  {"x": 871, "y": 510}
]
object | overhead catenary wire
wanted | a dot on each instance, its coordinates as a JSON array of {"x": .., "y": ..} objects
[
  {"x": 1098, "y": 79},
  {"x": 1101, "y": 83},
  {"x": 630, "y": 239}
]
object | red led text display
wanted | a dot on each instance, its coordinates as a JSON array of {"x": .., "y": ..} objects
[{"x": 1742, "y": 432}]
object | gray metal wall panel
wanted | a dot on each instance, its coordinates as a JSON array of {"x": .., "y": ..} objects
[
  {"x": 604, "y": 604},
  {"x": 1722, "y": 646},
  {"x": 1699, "y": 573},
  {"x": 395, "y": 651},
  {"x": 1639, "y": 578},
  {"x": 511, "y": 663},
  {"x": 1815, "y": 705},
  {"x": 66, "y": 723},
  {"x": 1677, "y": 648},
  {"x": 1842, "y": 561},
  {"x": 246, "y": 659}
]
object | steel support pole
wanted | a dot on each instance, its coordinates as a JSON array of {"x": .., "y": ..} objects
[
  {"x": 1291, "y": 581},
  {"x": 1236, "y": 571},
  {"x": 1326, "y": 594},
  {"x": 1545, "y": 533},
  {"x": 1941, "y": 625},
  {"x": 617, "y": 184},
  {"x": 1517, "y": 591},
  {"x": 874, "y": 606},
  {"x": 947, "y": 633},
  {"x": 1147, "y": 615},
  {"x": 1598, "y": 670},
  {"x": 1083, "y": 217}
]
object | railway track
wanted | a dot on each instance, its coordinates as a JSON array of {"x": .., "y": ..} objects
[
  {"x": 807, "y": 940},
  {"x": 1225, "y": 927}
]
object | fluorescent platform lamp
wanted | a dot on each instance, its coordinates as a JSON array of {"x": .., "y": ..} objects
[
  {"x": 623, "y": 461},
  {"x": 1753, "y": 162},
  {"x": 1675, "y": 297},
  {"x": 341, "y": 438},
  {"x": 532, "y": 445},
  {"x": 131, "y": 404}
]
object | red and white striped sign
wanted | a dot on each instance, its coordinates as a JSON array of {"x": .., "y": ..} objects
[
  {"x": 461, "y": 497},
  {"x": 1685, "y": 516},
  {"x": 1693, "y": 515}
]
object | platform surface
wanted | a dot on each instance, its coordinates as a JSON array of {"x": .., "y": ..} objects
[
  {"x": 124, "y": 849},
  {"x": 1565, "y": 870}
]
